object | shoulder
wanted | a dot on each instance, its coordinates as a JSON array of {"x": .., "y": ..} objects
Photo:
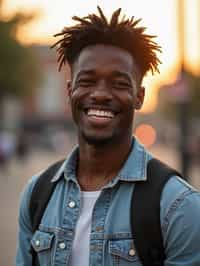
[
  {"x": 175, "y": 192},
  {"x": 28, "y": 188},
  {"x": 180, "y": 203},
  {"x": 52, "y": 172},
  {"x": 27, "y": 191},
  {"x": 180, "y": 222}
]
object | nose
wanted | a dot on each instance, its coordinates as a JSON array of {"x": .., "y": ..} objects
[{"x": 101, "y": 92}]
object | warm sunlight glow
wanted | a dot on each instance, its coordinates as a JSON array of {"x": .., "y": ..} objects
[
  {"x": 193, "y": 35},
  {"x": 160, "y": 17}
]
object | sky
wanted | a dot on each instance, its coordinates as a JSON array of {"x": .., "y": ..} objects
[{"x": 159, "y": 16}]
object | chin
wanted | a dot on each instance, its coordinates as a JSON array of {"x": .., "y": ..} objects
[{"x": 98, "y": 140}]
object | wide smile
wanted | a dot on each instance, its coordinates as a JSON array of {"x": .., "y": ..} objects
[
  {"x": 100, "y": 117},
  {"x": 100, "y": 113}
]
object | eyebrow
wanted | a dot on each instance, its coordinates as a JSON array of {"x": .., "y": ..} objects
[
  {"x": 85, "y": 72},
  {"x": 115, "y": 73}
]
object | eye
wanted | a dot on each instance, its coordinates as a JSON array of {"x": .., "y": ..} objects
[
  {"x": 86, "y": 82},
  {"x": 121, "y": 84}
]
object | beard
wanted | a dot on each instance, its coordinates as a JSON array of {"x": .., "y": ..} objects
[
  {"x": 107, "y": 137},
  {"x": 98, "y": 141}
]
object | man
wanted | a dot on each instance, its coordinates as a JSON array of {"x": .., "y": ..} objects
[{"x": 87, "y": 220}]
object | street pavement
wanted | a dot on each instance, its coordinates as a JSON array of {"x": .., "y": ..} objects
[{"x": 13, "y": 181}]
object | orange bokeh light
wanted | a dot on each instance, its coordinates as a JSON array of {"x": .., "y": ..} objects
[{"x": 146, "y": 134}]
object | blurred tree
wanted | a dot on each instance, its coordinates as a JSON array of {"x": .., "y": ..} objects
[
  {"x": 169, "y": 99},
  {"x": 194, "y": 83},
  {"x": 18, "y": 64},
  {"x": 180, "y": 108}
]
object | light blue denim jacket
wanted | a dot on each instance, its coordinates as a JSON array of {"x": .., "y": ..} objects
[{"x": 111, "y": 241}]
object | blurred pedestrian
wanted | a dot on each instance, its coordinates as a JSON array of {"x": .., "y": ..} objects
[
  {"x": 7, "y": 147},
  {"x": 22, "y": 146}
]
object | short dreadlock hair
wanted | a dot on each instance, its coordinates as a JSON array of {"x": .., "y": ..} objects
[{"x": 95, "y": 29}]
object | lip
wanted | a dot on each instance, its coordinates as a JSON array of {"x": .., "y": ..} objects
[{"x": 99, "y": 121}]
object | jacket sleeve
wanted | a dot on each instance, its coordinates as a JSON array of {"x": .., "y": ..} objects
[
  {"x": 23, "y": 256},
  {"x": 181, "y": 228}
]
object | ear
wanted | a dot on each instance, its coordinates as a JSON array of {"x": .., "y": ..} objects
[
  {"x": 139, "y": 98},
  {"x": 69, "y": 89}
]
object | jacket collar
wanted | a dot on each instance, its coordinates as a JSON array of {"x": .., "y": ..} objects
[{"x": 134, "y": 168}]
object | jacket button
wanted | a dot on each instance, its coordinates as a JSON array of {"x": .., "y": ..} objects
[
  {"x": 72, "y": 204},
  {"x": 131, "y": 252},
  {"x": 37, "y": 243},
  {"x": 62, "y": 245}
]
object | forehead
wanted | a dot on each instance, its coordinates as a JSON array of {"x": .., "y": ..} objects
[{"x": 104, "y": 58}]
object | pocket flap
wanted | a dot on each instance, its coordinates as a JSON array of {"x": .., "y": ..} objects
[
  {"x": 123, "y": 248},
  {"x": 41, "y": 240}
]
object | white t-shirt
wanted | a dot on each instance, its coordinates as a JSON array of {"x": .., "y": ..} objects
[{"x": 80, "y": 246}]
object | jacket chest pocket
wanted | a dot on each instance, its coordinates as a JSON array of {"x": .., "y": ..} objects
[
  {"x": 123, "y": 253},
  {"x": 42, "y": 243}
]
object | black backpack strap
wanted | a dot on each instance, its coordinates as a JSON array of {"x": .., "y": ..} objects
[
  {"x": 145, "y": 213},
  {"x": 41, "y": 194}
]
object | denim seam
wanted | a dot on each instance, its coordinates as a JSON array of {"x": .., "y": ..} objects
[
  {"x": 174, "y": 206},
  {"x": 116, "y": 236},
  {"x": 55, "y": 229},
  {"x": 143, "y": 166}
]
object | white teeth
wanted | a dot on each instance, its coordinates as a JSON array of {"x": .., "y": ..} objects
[{"x": 101, "y": 113}]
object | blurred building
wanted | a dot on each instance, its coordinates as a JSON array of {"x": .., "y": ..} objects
[{"x": 48, "y": 105}]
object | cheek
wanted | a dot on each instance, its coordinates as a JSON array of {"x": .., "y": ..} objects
[
  {"x": 76, "y": 101},
  {"x": 127, "y": 99},
  {"x": 76, "y": 96}
]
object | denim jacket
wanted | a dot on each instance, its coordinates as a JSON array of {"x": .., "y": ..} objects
[{"x": 111, "y": 241}]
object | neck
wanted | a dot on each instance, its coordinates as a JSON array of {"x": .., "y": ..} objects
[{"x": 99, "y": 164}]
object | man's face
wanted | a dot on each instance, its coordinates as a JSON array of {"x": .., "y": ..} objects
[{"x": 103, "y": 94}]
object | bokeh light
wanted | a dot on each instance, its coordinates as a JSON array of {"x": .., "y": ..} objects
[{"x": 146, "y": 134}]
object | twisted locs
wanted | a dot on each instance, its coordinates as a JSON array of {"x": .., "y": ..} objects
[{"x": 96, "y": 29}]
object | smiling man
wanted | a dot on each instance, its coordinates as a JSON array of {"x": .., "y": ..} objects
[{"x": 92, "y": 215}]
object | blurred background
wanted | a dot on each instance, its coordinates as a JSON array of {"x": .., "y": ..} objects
[{"x": 35, "y": 121}]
